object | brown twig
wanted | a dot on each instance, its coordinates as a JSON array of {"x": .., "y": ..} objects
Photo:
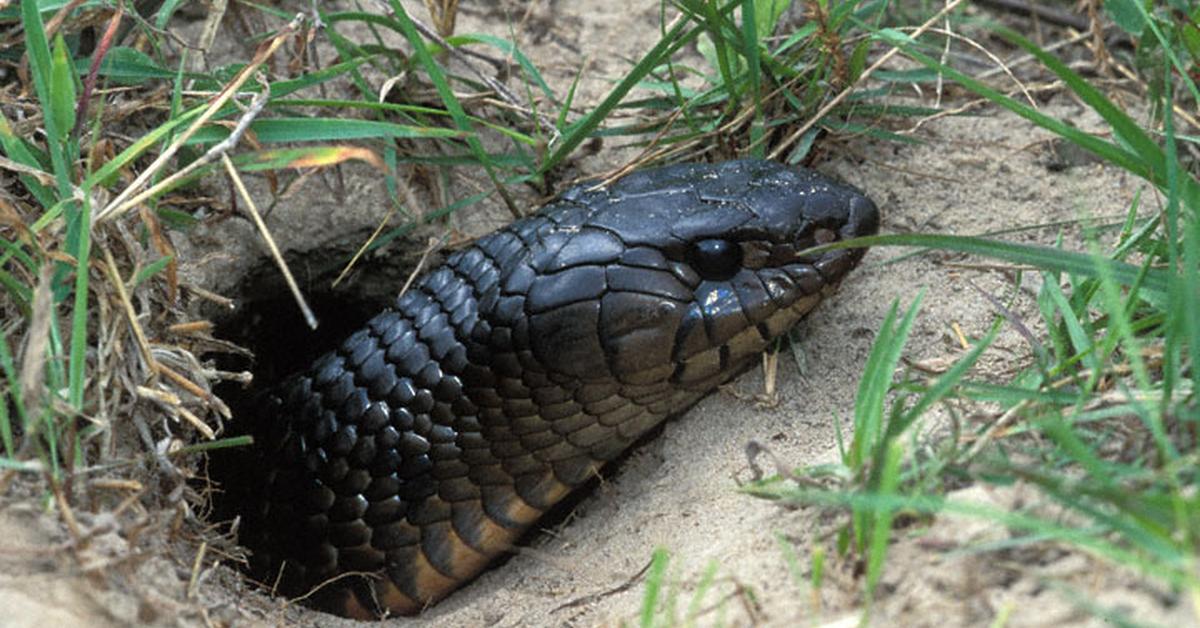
[
  {"x": 127, "y": 305},
  {"x": 409, "y": 199},
  {"x": 434, "y": 244},
  {"x": 251, "y": 208},
  {"x": 594, "y": 597},
  {"x": 89, "y": 84}
]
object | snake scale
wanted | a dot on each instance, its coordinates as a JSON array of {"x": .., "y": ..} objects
[{"x": 424, "y": 445}]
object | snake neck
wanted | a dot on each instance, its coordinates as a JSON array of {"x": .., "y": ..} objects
[{"x": 428, "y": 441}]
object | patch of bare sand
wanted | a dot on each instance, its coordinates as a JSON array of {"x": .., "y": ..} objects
[
  {"x": 678, "y": 492},
  {"x": 960, "y": 572}
]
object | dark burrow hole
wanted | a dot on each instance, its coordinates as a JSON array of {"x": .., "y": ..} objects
[{"x": 268, "y": 322}]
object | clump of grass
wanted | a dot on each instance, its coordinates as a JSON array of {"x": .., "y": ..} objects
[
  {"x": 95, "y": 326},
  {"x": 1103, "y": 420},
  {"x": 708, "y": 603}
]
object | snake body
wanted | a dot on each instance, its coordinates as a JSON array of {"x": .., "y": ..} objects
[{"x": 431, "y": 439}]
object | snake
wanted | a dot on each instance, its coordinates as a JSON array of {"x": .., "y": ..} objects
[{"x": 399, "y": 465}]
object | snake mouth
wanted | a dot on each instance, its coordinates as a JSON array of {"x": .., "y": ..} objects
[
  {"x": 855, "y": 216},
  {"x": 861, "y": 218}
]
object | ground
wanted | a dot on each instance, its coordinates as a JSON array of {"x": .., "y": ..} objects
[{"x": 983, "y": 172}]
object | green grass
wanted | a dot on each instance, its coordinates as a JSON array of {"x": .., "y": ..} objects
[
  {"x": 1125, "y": 332},
  {"x": 724, "y": 79}
]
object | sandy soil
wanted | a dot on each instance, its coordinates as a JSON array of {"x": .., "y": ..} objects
[{"x": 968, "y": 175}]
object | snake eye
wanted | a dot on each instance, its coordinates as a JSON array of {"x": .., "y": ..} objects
[{"x": 716, "y": 260}]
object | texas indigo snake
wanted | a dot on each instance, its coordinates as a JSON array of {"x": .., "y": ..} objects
[{"x": 432, "y": 438}]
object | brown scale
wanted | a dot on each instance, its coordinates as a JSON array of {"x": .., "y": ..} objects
[{"x": 430, "y": 440}]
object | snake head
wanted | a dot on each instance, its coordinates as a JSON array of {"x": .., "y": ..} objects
[{"x": 682, "y": 275}]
